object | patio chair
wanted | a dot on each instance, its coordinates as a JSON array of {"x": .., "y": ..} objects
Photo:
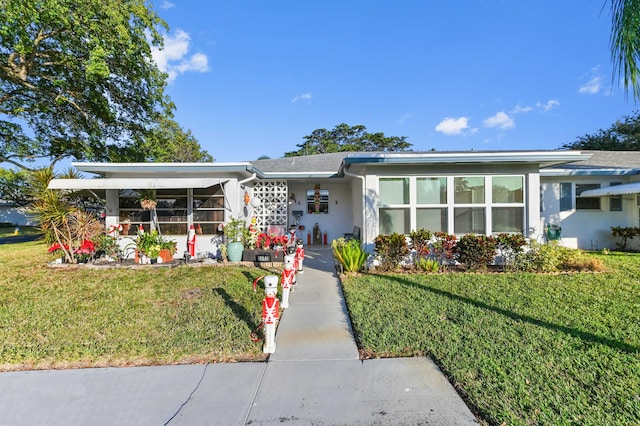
[{"x": 354, "y": 235}]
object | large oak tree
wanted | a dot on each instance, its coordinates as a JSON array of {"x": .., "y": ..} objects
[
  {"x": 77, "y": 80},
  {"x": 348, "y": 138}
]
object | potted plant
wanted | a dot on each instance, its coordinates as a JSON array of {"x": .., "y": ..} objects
[
  {"x": 149, "y": 244},
  {"x": 236, "y": 234},
  {"x": 168, "y": 249}
]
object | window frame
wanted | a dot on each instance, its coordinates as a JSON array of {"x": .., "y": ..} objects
[{"x": 455, "y": 205}]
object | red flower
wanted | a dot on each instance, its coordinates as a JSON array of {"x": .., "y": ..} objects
[
  {"x": 55, "y": 247},
  {"x": 87, "y": 247}
]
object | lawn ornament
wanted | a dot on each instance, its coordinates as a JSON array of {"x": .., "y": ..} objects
[
  {"x": 299, "y": 257},
  {"x": 286, "y": 281},
  {"x": 191, "y": 241},
  {"x": 290, "y": 259},
  {"x": 270, "y": 313}
]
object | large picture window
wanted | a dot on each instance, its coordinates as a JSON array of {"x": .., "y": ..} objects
[
  {"x": 453, "y": 204},
  {"x": 174, "y": 207}
]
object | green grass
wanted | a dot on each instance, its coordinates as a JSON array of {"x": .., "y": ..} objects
[
  {"x": 522, "y": 348},
  {"x": 78, "y": 317}
]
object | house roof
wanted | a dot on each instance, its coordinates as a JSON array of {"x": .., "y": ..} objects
[
  {"x": 334, "y": 164},
  {"x": 600, "y": 163},
  {"x": 551, "y": 162}
]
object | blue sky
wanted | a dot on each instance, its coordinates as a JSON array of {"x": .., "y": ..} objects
[{"x": 252, "y": 78}]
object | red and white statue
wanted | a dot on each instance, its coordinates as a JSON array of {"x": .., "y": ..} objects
[
  {"x": 270, "y": 313},
  {"x": 299, "y": 257},
  {"x": 289, "y": 259},
  {"x": 286, "y": 281},
  {"x": 191, "y": 241}
]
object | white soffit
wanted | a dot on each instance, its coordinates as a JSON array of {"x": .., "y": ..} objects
[
  {"x": 134, "y": 183},
  {"x": 627, "y": 188}
]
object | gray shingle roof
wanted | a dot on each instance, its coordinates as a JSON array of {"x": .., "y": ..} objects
[
  {"x": 609, "y": 159},
  {"x": 320, "y": 163},
  {"x": 308, "y": 163}
]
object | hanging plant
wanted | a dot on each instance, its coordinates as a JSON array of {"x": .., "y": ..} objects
[{"x": 148, "y": 200}]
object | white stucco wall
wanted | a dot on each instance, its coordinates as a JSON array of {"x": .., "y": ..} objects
[
  {"x": 338, "y": 221},
  {"x": 586, "y": 229}
]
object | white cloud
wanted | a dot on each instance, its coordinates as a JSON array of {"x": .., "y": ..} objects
[
  {"x": 592, "y": 86},
  {"x": 173, "y": 58},
  {"x": 453, "y": 126},
  {"x": 303, "y": 97},
  {"x": 501, "y": 120},
  {"x": 167, "y": 5},
  {"x": 594, "y": 83},
  {"x": 550, "y": 104},
  {"x": 520, "y": 109},
  {"x": 404, "y": 118}
]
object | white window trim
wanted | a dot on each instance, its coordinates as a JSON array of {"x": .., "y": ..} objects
[{"x": 413, "y": 206}]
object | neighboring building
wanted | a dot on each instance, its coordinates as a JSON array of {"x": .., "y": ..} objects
[
  {"x": 15, "y": 215},
  {"x": 455, "y": 192}
]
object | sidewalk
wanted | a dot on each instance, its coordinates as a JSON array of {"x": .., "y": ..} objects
[{"x": 314, "y": 377}]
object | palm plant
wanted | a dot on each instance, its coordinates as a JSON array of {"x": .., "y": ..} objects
[
  {"x": 61, "y": 222},
  {"x": 625, "y": 43}
]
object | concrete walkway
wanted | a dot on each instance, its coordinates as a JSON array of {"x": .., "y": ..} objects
[{"x": 314, "y": 378}]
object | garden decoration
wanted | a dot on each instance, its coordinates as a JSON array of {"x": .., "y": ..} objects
[
  {"x": 270, "y": 313},
  {"x": 289, "y": 259},
  {"x": 299, "y": 257},
  {"x": 317, "y": 235},
  {"x": 287, "y": 278},
  {"x": 191, "y": 241}
]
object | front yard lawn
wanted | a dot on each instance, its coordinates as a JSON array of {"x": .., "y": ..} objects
[
  {"x": 522, "y": 348},
  {"x": 79, "y": 317}
]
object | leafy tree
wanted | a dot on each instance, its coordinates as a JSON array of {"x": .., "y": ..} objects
[
  {"x": 623, "y": 135},
  {"x": 345, "y": 138},
  {"x": 77, "y": 77},
  {"x": 14, "y": 186},
  {"x": 166, "y": 142}
]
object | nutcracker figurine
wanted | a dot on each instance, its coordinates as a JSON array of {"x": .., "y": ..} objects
[
  {"x": 288, "y": 275},
  {"x": 299, "y": 257},
  {"x": 290, "y": 260},
  {"x": 270, "y": 313}
]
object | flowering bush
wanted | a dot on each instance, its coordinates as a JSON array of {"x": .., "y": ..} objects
[
  {"x": 85, "y": 252},
  {"x": 57, "y": 250},
  {"x": 269, "y": 241}
]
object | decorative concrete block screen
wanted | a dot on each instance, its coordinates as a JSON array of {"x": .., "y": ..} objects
[{"x": 273, "y": 210}]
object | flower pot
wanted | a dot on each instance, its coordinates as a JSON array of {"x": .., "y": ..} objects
[
  {"x": 234, "y": 251},
  {"x": 166, "y": 256}
]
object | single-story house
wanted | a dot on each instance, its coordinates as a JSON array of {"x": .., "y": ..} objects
[{"x": 582, "y": 192}]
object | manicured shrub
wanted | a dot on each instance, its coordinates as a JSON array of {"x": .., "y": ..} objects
[
  {"x": 421, "y": 242},
  {"x": 476, "y": 251},
  {"x": 509, "y": 245},
  {"x": 552, "y": 257},
  {"x": 443, "y": 247},
  {"x": 625, "y": 233},
  {"x": 391, "y": 249}
]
